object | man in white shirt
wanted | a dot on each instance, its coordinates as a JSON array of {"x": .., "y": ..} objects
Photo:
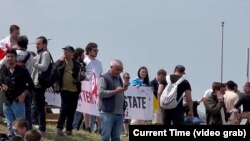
[{"x": 93, "y": 65}]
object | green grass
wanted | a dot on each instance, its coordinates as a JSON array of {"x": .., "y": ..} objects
[{"x": 50, "y": 135}]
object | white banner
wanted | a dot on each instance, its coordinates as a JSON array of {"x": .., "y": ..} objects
[
  {"x": 88, "y": 99},
  {"x": 52, "y": 98},
  {"x": 139, "y": 101}
]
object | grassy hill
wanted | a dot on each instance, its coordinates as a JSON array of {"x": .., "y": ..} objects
[{"x": 50, "y": 134}]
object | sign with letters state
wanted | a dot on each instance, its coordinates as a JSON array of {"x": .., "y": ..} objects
[{"x": 138, "y": 100}]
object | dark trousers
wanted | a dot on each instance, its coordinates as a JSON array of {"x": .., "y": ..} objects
[
  {"x": 28, "y": 100},
  {"x": 68, "y": 108},
  {"x": 38, "y": 111},
  {"x": 173, "y": 116}
]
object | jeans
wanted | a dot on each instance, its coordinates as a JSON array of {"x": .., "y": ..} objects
[
  {"x": 112, "y": 125},
  {"x": 28, "y": 117},
  {"x": 68, "y": 109},
  {"x": 78, "y": 117},
  {"x": 38, "y": 112},
  {"x": 194, "y": 121},
  {"x": 12, "y": 112}
]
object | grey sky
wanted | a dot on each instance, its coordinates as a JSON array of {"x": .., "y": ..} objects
[{"x": 154, "y": 33}]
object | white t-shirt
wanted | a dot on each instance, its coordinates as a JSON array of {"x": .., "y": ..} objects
[{"x": 93, "y": 66}]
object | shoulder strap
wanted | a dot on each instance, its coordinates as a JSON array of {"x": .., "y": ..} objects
[
  {"x": 51, "y": 58},
  {"x": 26, "y": 58},
  {"x": 180, "y": 80},
  {"x": 168, "y": 79},
  {"x": 180, "y": 98},
  {"x": 52, "y": 61}
]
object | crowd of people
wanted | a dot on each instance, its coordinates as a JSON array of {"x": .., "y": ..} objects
[{"x": 23, "y": 96}]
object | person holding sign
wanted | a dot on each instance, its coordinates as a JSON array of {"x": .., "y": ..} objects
[
  {"x": 141, "y": 80},
  {"x": 93, "y": 72},
  {"x": 111, "y": 102}
]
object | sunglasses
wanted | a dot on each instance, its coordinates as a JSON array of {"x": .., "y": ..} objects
[{"x": 95, "y": 50}]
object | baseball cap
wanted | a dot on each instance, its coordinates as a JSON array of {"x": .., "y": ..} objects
[
  {"x": 180, "y": 68},
  {"x": 70, "y": 48}
]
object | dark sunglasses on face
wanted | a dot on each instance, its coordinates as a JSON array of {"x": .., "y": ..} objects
[{"x": 95, "y": 50}]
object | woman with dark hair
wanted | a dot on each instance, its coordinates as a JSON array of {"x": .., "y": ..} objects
[{"x": 142, "y": 79}]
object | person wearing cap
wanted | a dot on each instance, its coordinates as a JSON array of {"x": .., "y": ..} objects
[
  {"x": 70, "y": 85},
  {"x": 41, "y": 64},
  {"x": 176, "y": 115},
  {"x": 230, "y": 97}
]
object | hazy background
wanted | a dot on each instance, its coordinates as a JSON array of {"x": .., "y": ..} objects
[{"x": 154, "y": 33}]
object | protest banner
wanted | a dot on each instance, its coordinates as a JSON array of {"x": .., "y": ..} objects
[
  {"x": 139, "y": 102},
  {"x": 88, "y": 101},
  {"x": 52, "y": 98}
]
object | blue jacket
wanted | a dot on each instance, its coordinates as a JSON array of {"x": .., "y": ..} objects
[{"x": 137, "y": 82}]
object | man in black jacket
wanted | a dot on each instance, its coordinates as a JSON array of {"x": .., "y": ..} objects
[
  {"x": 16, "y": 83},
  {"x": 70, "y": 84}
]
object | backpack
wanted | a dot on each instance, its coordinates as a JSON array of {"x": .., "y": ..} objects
[
  {"x": 26, "y": 58},
  {"x": 49, "y": 77},
  {"x": 168, "y": 99}
]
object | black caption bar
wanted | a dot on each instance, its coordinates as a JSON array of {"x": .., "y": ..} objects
[{"x": 189, "y": 132}]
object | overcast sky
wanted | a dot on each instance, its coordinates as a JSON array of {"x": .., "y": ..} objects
[{"x": 152, "y": 33}]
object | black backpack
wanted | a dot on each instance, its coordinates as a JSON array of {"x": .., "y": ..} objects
[{"x": 49, "y": 77}]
